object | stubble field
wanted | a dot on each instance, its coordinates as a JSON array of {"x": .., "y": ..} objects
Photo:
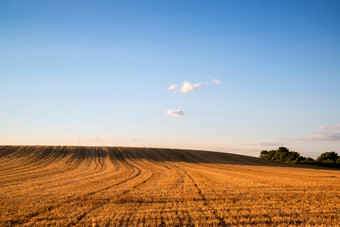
[{"x": 116, "y": 186}]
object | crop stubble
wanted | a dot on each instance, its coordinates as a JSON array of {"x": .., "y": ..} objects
[{"x": 69, "y": 185}]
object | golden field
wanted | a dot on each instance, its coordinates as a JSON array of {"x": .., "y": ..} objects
[{"x": 120, "y": 186}]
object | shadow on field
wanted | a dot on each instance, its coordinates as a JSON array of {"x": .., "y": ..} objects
[
  {"x": 198, "y": 156},
  {"x": 87, "y": 153}
]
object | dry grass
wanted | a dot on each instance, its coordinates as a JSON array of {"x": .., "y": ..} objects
[{"x": 139, "y": 186}]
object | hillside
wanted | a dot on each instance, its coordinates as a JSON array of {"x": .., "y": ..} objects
[{"x": 65, "y": 185}]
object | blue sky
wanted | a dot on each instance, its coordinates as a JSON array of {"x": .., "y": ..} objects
[{"x": 98, "y": 73}]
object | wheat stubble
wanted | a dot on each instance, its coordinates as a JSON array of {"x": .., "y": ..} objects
[{"x": 119, "y": 186}]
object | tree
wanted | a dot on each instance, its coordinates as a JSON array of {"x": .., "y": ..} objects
[
  {"x": 263, "y": 154},
  {"x": 283, "y": 150},
  {"x": 308, "y": 160},
  {"x": 292, "y": 156},
  {"x": 271, "y": 154},
  {"x": 328, "y": 157}
]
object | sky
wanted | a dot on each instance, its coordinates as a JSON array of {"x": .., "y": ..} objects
[{"x": 230, "y": 76}]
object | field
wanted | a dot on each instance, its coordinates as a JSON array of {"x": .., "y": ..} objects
[{"x": 98, "y": 186}]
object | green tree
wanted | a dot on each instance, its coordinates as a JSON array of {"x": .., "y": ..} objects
[
  {"x": 264, "y": 154},
  {"x": 308, "y": 160},
  {"x": 283, "y": 150},
  {"x": 328, "y": 157},
  {"x": 292, "y": 156},
  {"x": 271, "y": 154}
]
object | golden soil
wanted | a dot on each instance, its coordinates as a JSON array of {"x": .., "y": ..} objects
[{"x": 111, "y": 186}]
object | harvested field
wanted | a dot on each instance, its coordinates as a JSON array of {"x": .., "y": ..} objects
[{"x": 64, "y": 185}]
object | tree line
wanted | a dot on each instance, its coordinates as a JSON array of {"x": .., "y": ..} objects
[{"x": 328, "y": 159}]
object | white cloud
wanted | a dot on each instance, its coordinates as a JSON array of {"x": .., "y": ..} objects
[
  {"x": 80, "y": 138},
  {"x": 130, "y": 140},
  {"x": 330, "y": 136},
  {"x": 329, "y": 133},
  {"x": 216, "y": 81},
  {"x": 187, "y": 87},
  {"x": 173, "y": 87},
  {"x": 175, "y": 113},
  {"x": 333, "y": 127},
  {"x": 99, "y": 140},
  {"x": 267, "y": 144}
]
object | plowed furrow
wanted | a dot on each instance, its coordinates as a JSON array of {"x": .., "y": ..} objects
[{"x": 122, "y": 186}]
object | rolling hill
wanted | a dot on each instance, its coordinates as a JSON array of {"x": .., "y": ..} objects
[{"x": 111, "y": 186}]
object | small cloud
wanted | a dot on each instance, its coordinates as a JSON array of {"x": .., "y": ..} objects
[
  {"x": 266, "y": 144},
  {"x": 187, "y": 87},
  {"x": 329, "y": 133},
  {"x": 130, "y": 140},
  {"x": 80, "y": 138},
  {"x": 216, "y": 81},
  {"x": 74, "y": 138},
  {"x": 98, "y": 140},
  {"x": 332, "y": 127},
  {"x": 328, "y": 136},
  {"x": 173, "y": 87},
  {"x": 175, "y": 113}
]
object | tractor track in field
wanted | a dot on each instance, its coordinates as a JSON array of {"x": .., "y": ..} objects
[
  {"x": 136, "y": 171},
  {"x": 123, "y": 186}
]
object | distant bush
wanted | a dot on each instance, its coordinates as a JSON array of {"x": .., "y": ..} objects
[
  {"x": 307, "y": 161},
  {"x": 328, "y": 159},
  {"x": 284, "y": 155}
]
